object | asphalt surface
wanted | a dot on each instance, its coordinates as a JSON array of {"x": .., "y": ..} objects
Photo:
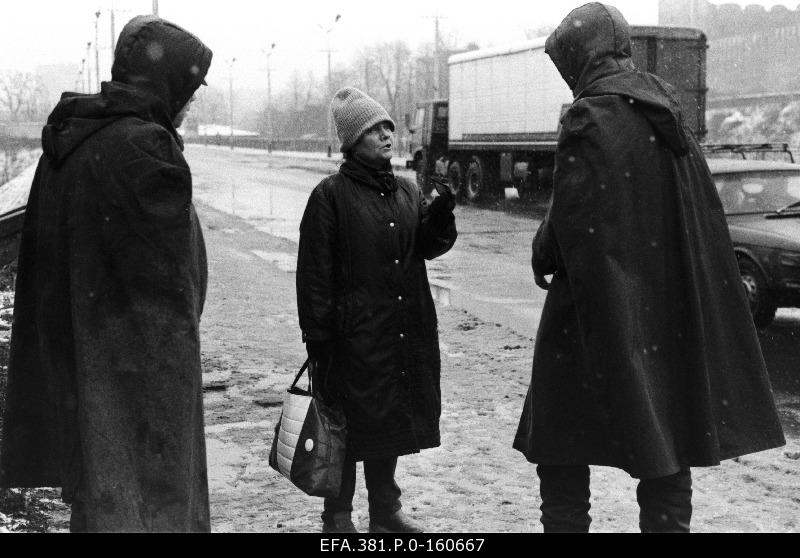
[{"x": 488, "y": 307}]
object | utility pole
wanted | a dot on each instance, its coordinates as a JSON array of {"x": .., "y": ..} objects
[
  {"x": 155, "y": 7},
  {"x": 436, "y": 68},
  {"x": 330, "y": 84},
  {"x": 437, "y": 71},
  {"x": 97, "y": 48},
  {"x": 330, "y": 96},
  {"x": 230, "y": 75},
  {"x": 80, "y": 85},
  {"x": 270, "y": 130},
  {"x": 88, "y": 67},
  {"x": 113, "y": 31}
]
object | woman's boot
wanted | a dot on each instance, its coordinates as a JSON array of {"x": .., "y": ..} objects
[
  {"x": 397, "y": 522},
  {"x": 338, "y": 522}
]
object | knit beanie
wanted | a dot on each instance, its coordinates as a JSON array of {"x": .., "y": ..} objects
[{"x": 355, "y": 112}]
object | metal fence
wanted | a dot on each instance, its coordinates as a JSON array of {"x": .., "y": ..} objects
[{"x": 315, "y": 145}]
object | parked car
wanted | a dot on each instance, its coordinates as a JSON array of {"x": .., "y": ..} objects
[{"x": 762, "y": 206}]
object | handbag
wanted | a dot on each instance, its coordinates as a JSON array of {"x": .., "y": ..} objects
[{"x": 309, "y": 444}]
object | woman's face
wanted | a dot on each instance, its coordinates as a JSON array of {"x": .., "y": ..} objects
[{"x": 375, "y": 146}]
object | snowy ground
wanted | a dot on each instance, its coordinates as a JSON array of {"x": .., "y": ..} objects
[{"x": 250, "y": 206}]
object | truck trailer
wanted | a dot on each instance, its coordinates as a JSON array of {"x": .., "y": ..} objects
[{"x": 499, "y": 127}]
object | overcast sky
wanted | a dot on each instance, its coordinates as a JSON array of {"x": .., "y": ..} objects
[{"x": 39, "y": 32}]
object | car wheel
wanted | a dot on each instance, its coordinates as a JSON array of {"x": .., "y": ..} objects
[{"x": 762, "y": 306}]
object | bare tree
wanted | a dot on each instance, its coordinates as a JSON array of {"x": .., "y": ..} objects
[
  {"x": 211, "y": 106},
  {"x": 392, "y": 64},
  {"x": 23, "y": 96}
]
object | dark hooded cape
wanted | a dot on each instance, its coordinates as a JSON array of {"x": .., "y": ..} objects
[
  {"x": 362, "y": 285},
  {"x": 646, "y": 357},
  {"x": 105, "y": 387}
]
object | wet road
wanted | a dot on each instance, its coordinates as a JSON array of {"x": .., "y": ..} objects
[{"x": 487, "y": 273}]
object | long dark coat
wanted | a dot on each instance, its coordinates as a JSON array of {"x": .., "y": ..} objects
[
  {"x": 362, "y": 283},
  {"x": 105, "y": 387},
  {"x": 646, "y": 357}
]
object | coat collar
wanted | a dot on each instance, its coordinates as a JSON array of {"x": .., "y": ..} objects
[{"x": 382, "y": 179}]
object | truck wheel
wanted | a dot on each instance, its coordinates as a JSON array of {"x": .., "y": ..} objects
[
  {"x": 762, "y": 306},
  {"x": 528, "y": 186},
  {"x": 455, "y": 175},
  {"x": 546, "y": 178},
  {"x": 478, "y": 182}
]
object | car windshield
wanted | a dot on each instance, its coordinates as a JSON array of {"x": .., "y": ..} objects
[{"x": 757, "y": 191}]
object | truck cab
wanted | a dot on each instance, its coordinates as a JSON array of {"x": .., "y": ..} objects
[{"x": 428, "y": 139}]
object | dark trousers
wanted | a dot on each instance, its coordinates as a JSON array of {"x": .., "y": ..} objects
[
  {"x": 383, "y": 492},
  {"x": 665, "y": 503}
]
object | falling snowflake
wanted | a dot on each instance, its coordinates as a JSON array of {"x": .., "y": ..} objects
[{"x": 155, "y": 52}]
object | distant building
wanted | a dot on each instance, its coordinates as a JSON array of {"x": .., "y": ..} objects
[
  {"x": 222, "y": 130},
  {"x": 752, "y": 50}
]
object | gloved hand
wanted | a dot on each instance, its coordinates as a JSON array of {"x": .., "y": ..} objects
[
  {"x": 541, "y": 281},
  {"x": 446, "y": 201},
  {"x": 320, "y": 353}
]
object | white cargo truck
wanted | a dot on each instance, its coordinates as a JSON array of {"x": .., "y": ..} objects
[{"x": 500, "y": 125}]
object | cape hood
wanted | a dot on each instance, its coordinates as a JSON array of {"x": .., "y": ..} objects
[
  {"x": 157, "y": 68},
  {"x": 592, "y": 50}
]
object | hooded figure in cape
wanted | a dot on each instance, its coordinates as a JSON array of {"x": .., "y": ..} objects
[
  {"x": 646, "y": 356},
  {"x": 105, "y": 386}
]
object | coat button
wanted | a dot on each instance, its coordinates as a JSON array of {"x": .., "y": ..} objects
[
  {"x": 391, "y": 225},
  {"x": 397, "y": 262},
  {"x": 383, "y": 195},
  {"x": 400, "y": 298},
  {"x": 403, "y": 373},
  {"x": 402, "y": 336}
]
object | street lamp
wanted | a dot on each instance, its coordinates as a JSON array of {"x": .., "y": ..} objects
[
  {"x": 113, "y": 30},
  {"x": 230, "y": 76},
  {"x": 269, "y": 98},
  {"x": 79, "y": 83},
  {"x": 155, "y": 7},
  {"x": 330, "y": 84},
  {"x": 88, "y": 67},
  {"x": 97, "y": 48}
]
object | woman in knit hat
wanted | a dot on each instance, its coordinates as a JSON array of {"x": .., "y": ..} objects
[{"x": 366, "y": 311}]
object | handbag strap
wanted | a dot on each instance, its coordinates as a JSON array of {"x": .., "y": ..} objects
[
  {"x": 311, "y": 384},
  {"x": 300, "y": 375}
]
